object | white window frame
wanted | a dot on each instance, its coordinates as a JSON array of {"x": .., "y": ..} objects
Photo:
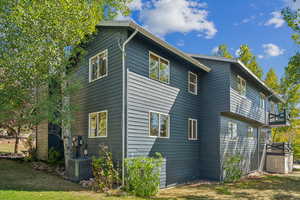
[
  {"x": 241, "y": 91},
  {"x": 90, "y": 65},
  {"x": 149, "y": 126},
  {"x": 191, "y": 128},
  {"x": 195, "y": 84},
  {"x": 252, "y": 131},
  {"x": 229, "y": 128},
  {"x": 103, "y": 111},
  {"x": 159, "y": 58},
  {"x": 262, "y": 101}
]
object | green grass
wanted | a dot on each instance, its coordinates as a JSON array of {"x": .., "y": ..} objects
[{"x": 18, "y": 181}]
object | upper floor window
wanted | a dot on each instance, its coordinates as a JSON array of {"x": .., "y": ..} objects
[
  {"x": 192, "y": 132},
  {"x": 241, "y": 86},
  {"x": 250, "y": 131},
  {"x": 262, "y": 101},
  {"x": 193, "y": 83},
  {"x": 232, "y": 130},
  {"x": 272, "y": 107},
  {"x": 159, "y": 125},
  {"x": 98, "y": 66},
  {"x": 98, "y": 124},
  {"x": 159, "y": 68}
]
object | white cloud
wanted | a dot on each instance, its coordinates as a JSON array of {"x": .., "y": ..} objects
[
  {"x": 295, "y": 5},
  {"x": 135, "y": 5},
  {"x": 180, "y": 43},
  {"x": 245, "y": 20},
  {"x": 215, "y": 50},
  {"x": 237, "y": 52},
  {"x": 167, "y": 16},
  {"x": 276, "y": 20},
  {"x": 260, "y": 56},
  {"x": 272, "y": 50}
]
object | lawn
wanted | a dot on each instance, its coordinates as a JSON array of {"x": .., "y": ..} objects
[{"x": 18, "y": 181}]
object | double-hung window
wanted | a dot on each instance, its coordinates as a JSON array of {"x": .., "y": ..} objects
[
  {"x": 192, "y": 129},
  {"x": 232, "y": 130},
  {"x": 159, "y": 68},
  {"x": 250, "y": 132},
  {"x": 193, "y": 83},
  {"x": 159, "y": 125},
  {"x": 98, "y": 124},
  {"x": 98, "y": 66},
  {"x": 262, "y": 101},
  {"x": 241, "y": 86}
]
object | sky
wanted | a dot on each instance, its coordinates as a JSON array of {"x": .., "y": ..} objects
[{"x": 196, "y": 26}]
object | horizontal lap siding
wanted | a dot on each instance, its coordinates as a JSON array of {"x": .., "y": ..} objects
[
  {"x": 243, "y": 146},
  {"x": 102, "y": 94},
  {"x": 182, "y": 157}
]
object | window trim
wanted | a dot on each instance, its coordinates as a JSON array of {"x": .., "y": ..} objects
[
  {"x": 159, "y": 57},
  {"x": 195, "y": 84},
  {"x": 262, "y": 97},
  {"x": 149, "y": 126},
  {"x": 89, "y": 126},
  {"x": 252, "y": 132},
  {"x": 231, "y": 138},
  {"x": 240, "y": 80},
  {"x": 191, "y": 119},
  {"x": 90, "y": 66}
]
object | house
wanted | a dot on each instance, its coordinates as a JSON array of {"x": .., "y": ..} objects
[{"x": 140, "y": 95}]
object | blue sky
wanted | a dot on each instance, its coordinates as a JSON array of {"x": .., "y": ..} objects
[{"x": 196, "y": 26}]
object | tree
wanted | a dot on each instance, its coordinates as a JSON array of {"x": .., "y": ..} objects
[
  {"x": 272, "y": 80},
  {"x": 33, "y": 37},
  {"x": 223, "y": 51},
  {"x": 247, "y": 57},
  {"x": 292, "y": 18}
]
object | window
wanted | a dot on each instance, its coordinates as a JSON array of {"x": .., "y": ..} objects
[
  {"x": 98, "y": 124},
  {"x": 159, "y": 125},
  {"x": 262, "y": 101},
  {"x": 159, "y": 68},
  {"x": 98, "y": 66},
  {"x": 250, "y": 132},
  {"x": 192, "y": 132},
  {"x": 232, "y": 130},
  {"x": 272, "y": 107},
  {"x": 241, "y": 86},
  {"x": 193, "y": 83}
]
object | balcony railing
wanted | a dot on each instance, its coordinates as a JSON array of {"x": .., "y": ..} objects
[{"x": 280, "y": 119}]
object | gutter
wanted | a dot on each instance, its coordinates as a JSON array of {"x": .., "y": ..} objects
[{"x": 124, "y": 94}]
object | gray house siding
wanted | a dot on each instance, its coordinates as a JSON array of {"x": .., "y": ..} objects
[
  {"x": 102, "y": 94},
  {"x": 182, "y": 156}
]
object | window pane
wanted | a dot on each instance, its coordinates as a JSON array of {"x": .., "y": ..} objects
[
  {"x": 154, "y": 67},
  {"x": 102, "y": 123},
  {"x": 190, "y": 129},
  {"x": 193, "y": 78},
  {"x": 154, "y": 121},
  {"x": 93, "y": 125},
  {"x": 164, "y": 125},
  {"x": 234, "y": 130},
  {"x": 164, "y": 71},
  {"x": 192, "y": 88},
  {"x": 194, "y": 129},
  {"x": 102, "y": 65},
  {"x": 250, "y": 132},
  {"x": 94, "y": 68}
]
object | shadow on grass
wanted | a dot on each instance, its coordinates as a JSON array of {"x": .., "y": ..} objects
[{"x": 285, "y": 197}]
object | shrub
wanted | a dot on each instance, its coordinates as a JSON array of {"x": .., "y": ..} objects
[
  {"x": 105, "y": 174},
  {"x": 143, "y": 175},
  {"x": 232, "y": 169},
  {"x": 54, "y": 157},
  {"x": 29, "y": 145}
]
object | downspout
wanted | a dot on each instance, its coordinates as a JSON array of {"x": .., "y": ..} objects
[{"x": 124, "y": 94}]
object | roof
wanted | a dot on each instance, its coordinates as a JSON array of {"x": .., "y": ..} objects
[
  {"x": 144, "y": 32},
  {"x": 240, "y": 64}
]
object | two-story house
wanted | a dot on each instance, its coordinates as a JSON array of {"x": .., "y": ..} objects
[{"x": 140, "y": 95}]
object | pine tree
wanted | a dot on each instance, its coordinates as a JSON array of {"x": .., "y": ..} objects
[
  {"x": 272, "y": 80},
  {"x": 247, "y": 57},
  {"x": 223, "y": 51}
]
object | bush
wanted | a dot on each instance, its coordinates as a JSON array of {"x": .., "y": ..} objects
[
  {"x": 29, "y": 145},
  {"x": 143, "y": 175},
  {"x": 232, "y": 169},
  {"x": 54, "y": 157},
  {"x": 105, "y": 174}
]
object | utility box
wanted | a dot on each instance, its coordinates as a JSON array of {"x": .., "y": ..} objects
[
  {"x": 279, "y": 158},
  {"x": 79, "y": 169}
]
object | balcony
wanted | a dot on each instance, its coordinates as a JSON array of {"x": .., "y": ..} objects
[{"x": 279, "y": 120}]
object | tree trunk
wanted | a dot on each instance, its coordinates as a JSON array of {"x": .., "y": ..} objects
[{"x": 17, "y": 133}]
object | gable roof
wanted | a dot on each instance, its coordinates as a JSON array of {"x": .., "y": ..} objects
[
  {"x": 144, "y": 32},
  {"x": 242, "y": 66}
]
